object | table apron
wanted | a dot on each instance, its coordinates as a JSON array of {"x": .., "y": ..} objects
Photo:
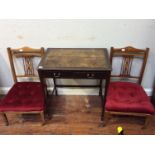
[{"x": 74, "y": 74}]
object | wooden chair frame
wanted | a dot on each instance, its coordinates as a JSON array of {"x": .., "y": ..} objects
[
  {"x": 27, "y": 54},
  {"x": 128, "y": 54}
]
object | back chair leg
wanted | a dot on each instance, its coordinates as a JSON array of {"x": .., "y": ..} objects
[
  {"x": 103, "y": 109},
  {"x": 107, "y": 116},
  {"x": 5, "y": 119},
  {"x": 21, "y": 119},
  {"x": 148, "y": 121},
  {"x": 42, "y": 117}
]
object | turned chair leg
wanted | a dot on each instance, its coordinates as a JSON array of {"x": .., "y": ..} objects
[
  {"x": 5, "y": 119},
  {"x": 148, "y": 121},
  {"x": 42, "y": 118}
]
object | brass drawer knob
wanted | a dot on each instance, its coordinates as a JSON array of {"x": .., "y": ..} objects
[
  {"x": 90, "y": 75},
  {"x": 57, "y": 74}
]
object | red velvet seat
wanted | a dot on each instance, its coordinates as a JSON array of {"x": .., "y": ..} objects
[
  {"x": 128, "y": 97},
  {"x": 124, "y": 97},
  {"x": 31, "y": 98}
]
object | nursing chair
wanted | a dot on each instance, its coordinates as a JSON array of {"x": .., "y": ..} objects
[
  {"x": 26, "y": 96},
  {"x": 125, "y": 94}
]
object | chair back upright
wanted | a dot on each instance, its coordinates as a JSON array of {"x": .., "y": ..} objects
[
  {"x": 27, "y": 57},
  {"x": 129, "y": 57}
]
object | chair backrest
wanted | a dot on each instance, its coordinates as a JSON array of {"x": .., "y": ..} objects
[
  {"x": 26, "y": 56},
  {"x": 129, "y": 57}
]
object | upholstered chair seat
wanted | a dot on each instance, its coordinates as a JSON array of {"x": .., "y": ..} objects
[
  {"x": 31, "y": 98},
  {"x": 128, "y": 97}
]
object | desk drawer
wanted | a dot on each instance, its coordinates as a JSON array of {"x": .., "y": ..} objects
[
  {"x": 89, "y": 75},
  {"x": 54, "y": 74},
  {"x": 73, "y": 74}
]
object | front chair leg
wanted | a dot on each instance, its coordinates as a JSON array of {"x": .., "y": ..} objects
[
  {"x": 148, "y": 121},
  {"x": 5, "y": 119},
  {"x": 42, "y": 118}
]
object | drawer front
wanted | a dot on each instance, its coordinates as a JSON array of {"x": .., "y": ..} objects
[
  {"x": 73, "y": 74},
  {"x": 89, "y": 75},
  {"x": 54, "y": 74}
]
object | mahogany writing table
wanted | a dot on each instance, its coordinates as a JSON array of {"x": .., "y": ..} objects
[{"x": 76, "y": 63}]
